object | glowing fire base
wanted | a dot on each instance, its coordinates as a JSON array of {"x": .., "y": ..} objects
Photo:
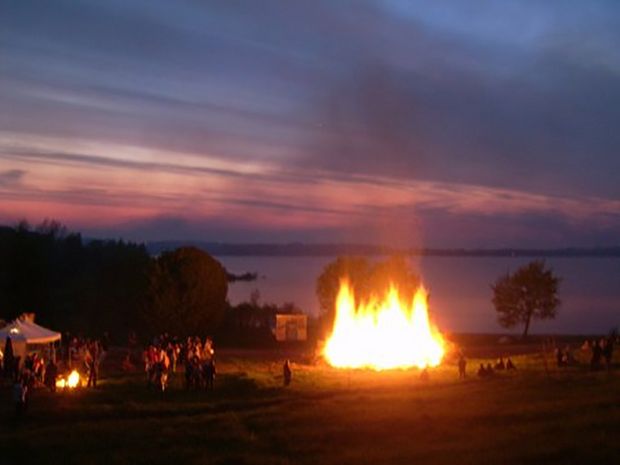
[
  {"x": 72, "y": 381},
  {"x": 383, "y": 334}
]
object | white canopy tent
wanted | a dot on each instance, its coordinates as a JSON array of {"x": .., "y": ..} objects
[
  {"x": 30, "y": 333},
  {"x": 24, "y": 332}
]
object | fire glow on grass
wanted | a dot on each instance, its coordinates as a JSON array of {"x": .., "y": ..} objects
[{"x": 383, "y": 334}]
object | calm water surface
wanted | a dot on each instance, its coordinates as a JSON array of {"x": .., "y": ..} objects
[{"x": 459, "y": 287}]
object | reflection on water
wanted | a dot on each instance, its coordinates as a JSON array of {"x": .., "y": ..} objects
[{"x": 460, "y": 292}]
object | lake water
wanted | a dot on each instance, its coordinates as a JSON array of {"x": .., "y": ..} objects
[{"x": 459, "y": 286}]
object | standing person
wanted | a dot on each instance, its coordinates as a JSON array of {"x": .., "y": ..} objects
[
  {"x": 163, "y": 366},
  {"x": 88, "y": 364},
  {"x": 209, "y": 350},
  {"x": 39, "y": 370},
  {"x": 489, "y": 370},
  {"x": 189, "y": 375},
  {"x": 20, "y": 393},
  {"x": 608, "y": 351},
  {"x": 209, "y": 374},
  {"x": 147, "y": 365},
  {"x": 173, "y": 354},
  {"x": 151, "y": 366},
  {"x": 559, "y": 357},
  {"x": 9, "y": 358},
  {"x": 286, "y": 371},
  {"x": 597, "y": 353},
  {"x": 91, "y": 359},
  {"x": 462, "y": 366},
  {"x": 17, "y": 366},
  {"x": 50, "y": 375},
  {"x": 29, "y": 362},
  {"x": 567, "y": 356},
  {"x": 28, "y": 380}
]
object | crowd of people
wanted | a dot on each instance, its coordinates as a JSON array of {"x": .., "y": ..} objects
[
  {"x": 598, "y": 350},
  {"x": 487, "y": 370},
  {"x": 163, "y": 356},
  {"x": 42, "y": 368},
  {"x": 27, "y": 375},
  {"x": 86, "y": 355},
  {"x": 500, "y": 365},
  {"x": 601, "y": 349},
  {"x": 166, "y": 355}
]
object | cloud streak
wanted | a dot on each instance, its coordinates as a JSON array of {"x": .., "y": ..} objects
[
  {"x": 11, "y": 177},
  {"x": 319, "y": 119}
]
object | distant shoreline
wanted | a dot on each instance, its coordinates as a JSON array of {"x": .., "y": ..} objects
[{"x": 331, "y": 250}]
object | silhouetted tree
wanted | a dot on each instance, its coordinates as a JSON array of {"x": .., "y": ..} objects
[
  {"x": 187, "y": 293},
  {"x": 530, "y": 292}
]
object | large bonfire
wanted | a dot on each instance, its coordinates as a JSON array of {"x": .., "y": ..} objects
[{"x": 383, "y": 334}]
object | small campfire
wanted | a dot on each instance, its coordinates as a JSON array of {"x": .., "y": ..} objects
[
  {"x": 383, "y": 334},
  {"x": 69, "y": 382}
]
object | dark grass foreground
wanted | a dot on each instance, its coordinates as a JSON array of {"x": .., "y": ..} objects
[{"x": 327, "y": 417}]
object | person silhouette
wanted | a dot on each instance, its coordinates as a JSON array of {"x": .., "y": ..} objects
[
  {"x": 209, "y": 374},
  {"x": 462, "y": 366},
  {"x": 608, "y": 350},
  {"x": 597, "y": 353},
  {"x": 287, "y": 373}
]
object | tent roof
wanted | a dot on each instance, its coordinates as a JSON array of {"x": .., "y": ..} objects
[{"x": 31, "y": 333}]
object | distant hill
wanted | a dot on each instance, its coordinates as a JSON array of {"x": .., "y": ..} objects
[{"x": 297, "y": 249}]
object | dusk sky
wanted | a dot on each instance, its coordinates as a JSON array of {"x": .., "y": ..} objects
[{"x": 439, "y": 124}]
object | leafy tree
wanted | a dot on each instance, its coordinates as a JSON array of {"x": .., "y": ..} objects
[
  {"x": 187, "y": 293},
  {"x": 366, "y": 279},
  {"x": 530, "y": 292}
]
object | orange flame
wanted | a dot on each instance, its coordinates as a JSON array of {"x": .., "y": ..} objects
[
  {"x": 72, "y": 381},
  {"x": 383, "y": 334}
]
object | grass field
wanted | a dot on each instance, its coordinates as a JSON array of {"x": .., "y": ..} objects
[{"x": 327, "y": 416}]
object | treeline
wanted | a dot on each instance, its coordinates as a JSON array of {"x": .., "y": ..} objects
[
  {"x": 368, "y": 250},
  {"x": 71, "y": 285},
  {"x": 96, "y": 286}
]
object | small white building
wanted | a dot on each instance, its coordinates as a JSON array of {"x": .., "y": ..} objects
[{"x": 291, "y": 327}]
